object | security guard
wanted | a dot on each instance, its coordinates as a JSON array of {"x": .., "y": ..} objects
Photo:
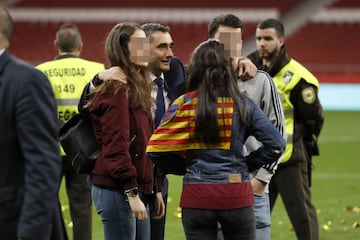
[
  {"x": 298, "y": 90},
  {"x": 68, "y": 74}
]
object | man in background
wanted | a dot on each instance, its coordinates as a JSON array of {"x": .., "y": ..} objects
[
  {"x": 29, "y": 153},
  {"x": 68, "y": 74},
  {"x": 298, "y": 90}
]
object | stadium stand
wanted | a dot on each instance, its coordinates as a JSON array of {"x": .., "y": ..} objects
[
  {"x": 331, "y": 44},
  {"x": 345, "y": 4},
  {"x": 34, "y": 41},
  {"x": 186, "y": 34},
  {"x": 328, "y": 45},
  {"x": 282, "y": 5}
]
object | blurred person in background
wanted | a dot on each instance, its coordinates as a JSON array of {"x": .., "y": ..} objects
[
  {"x": 227, "y": 29},
  {"x": 29, "y": 152},
  {"x": 298, "y": 90},
  {"x": 68, "y": 74}
]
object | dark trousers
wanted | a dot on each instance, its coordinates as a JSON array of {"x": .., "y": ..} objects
[
  {"x": 236, "y": 224},
  {"x": 158, "y": 226},
  {"x": 79, "y": 194},
  {"x": 292, "y": 182}
]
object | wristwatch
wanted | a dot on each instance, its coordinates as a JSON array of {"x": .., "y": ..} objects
[{"x": 131, "y": 192}]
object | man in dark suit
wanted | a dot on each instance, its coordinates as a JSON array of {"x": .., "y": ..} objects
[
  {"x": 169, "y": 70},
  {"x": 29, "y": 152}
]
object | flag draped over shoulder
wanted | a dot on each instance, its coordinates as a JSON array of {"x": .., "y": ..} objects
[{"x": 177, "y": 129}]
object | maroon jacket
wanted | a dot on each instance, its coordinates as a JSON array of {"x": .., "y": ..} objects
[{"x": 122, "y": 132}]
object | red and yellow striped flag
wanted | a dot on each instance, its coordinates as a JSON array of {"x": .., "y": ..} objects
[{"x": 177, "y": 129}]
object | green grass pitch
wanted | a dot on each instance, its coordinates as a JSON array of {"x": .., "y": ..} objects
[{"x": 335, "y": 188}]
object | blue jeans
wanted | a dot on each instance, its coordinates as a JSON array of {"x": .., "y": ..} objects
[
  {"x": 262, "y": 218},
  {"x": 116, "y": 216}
]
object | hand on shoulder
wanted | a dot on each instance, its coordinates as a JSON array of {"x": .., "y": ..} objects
[
  {"x": 246, "y": 69},
  {"x": 113, "y": 73}
]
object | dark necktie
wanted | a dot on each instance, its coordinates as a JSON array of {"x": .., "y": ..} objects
[{"x": 160, "y": 102}]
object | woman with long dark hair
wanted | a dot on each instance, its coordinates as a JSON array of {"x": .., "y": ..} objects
[{"x": 204, "y": 131}]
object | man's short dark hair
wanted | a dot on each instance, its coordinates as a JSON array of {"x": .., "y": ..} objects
[
  {"x": 68, "y": 37},
  {"x": 228, "y": 20},
  {"x": 150, "y": 28},
  {"x": 273, "y": 23}
]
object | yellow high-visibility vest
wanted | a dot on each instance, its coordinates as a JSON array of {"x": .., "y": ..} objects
[
  {"x": 285, "y": 80},
  {"x": 68, "y": 77}
]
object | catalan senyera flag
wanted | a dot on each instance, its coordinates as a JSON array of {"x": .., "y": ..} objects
[{"x": 176, "y": 132}]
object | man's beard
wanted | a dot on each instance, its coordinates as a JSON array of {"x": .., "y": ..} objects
[{"x": 269, "y": 56}]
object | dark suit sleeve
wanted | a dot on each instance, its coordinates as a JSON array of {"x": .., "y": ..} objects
[{"x": 37, "y": 133}]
